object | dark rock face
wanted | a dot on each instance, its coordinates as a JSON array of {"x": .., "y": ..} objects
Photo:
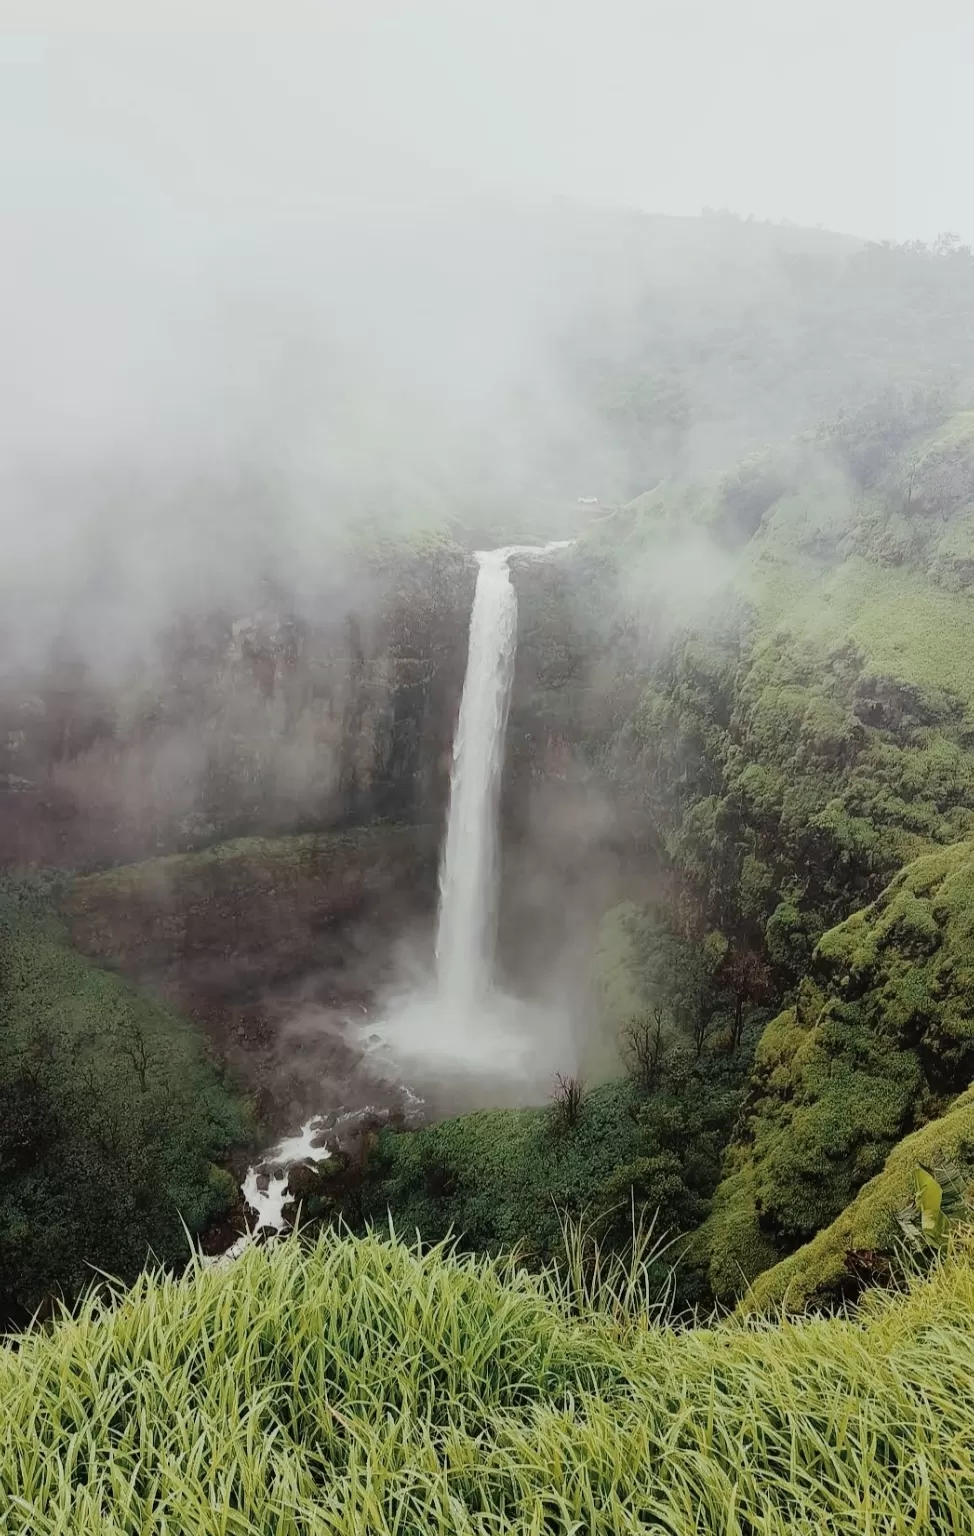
[
  {"x": 263, "y": 722},
  {"x": 273, "y": 946},
  {"x": 258, "y": 910},
  {"x": 254, "y": 818},
  {"x": 571, "y": 846}
]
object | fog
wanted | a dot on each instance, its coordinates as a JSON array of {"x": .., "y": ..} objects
[
  {"x": 265, "y": 278},
  {"x": 282, "y": 294}
]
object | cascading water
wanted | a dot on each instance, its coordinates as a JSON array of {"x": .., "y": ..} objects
[
  {"x": 463, "y": 1035},
  {"x": 468, "y": 873},
  {"x": 467, "y": 919}
]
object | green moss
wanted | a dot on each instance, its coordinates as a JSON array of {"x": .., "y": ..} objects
[
  {"x": 818, "y": 1272},
  {"x": 730, "y": 1244},
  {"x": 881, "y": 1040}
]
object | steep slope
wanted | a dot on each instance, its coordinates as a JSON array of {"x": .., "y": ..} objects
[
  {"x": 808, "y": 728},
  {"x": 111, "y": 1120},
  {"x": 859, "y": 1246},
  {"x": 879, "y": 1042},
  {"x": 776, "y": 677}
]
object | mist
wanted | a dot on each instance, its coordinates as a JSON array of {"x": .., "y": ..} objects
[
  {"x": 298, "y": 317},
  {"x": 256, "y": 297}
]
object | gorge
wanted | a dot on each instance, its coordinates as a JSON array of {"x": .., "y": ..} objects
[{"x": 486, "y": 770}]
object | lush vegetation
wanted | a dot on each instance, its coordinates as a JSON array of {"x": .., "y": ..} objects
[
  {"x": 793, "y": 746},
  {"x": 783, "y": 704},
  {"x": 501, "y": 1180},
  {"x": 860, "y": 1247},
  {"x": 362, "y": 1385},
  {"x": 768, "y": 672},
  {"x": 111, "y": 1123},
  {"x": 879, "y": 1041},
  {"x": 779, "y": 693}
]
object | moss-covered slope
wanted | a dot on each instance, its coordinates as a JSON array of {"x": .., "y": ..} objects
[
  {"x": 261, "y": 907},
  {"x": 879, "y": 1042},
  {"x": 861, "y": 1241},
  {"x": 801, "y": 660}
]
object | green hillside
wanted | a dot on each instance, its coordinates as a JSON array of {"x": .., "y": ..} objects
[
  {"x": 860, "y": 1243},
  {"x": 785, "y": 709},
  {"x": 358, "y": 1386},
  {"x": 111, "y": 1120}
]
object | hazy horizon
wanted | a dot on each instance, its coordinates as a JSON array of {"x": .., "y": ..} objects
[
  {"x": 267, "y": 276},
  {"x": 849, "y": 117}
]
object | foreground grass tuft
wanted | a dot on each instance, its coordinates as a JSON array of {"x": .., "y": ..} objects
[{"x": 361, "y": 1386}]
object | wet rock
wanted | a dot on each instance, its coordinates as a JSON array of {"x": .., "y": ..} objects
[{"x": 305, "y": 1180}]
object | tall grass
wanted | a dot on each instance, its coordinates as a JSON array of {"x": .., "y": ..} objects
[{"x": 360, "y": 1387}]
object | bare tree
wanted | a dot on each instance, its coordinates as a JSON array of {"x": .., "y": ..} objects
[
  {"x": 567, "y": 1101},
  {"x": 644, "y": 1049},
  {"x": 135, "y": 1049},
  {"x": 749, "y": 980},
  {"x": 701, "y": 1027}
]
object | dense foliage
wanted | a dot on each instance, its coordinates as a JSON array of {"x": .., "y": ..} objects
[
  {"x": 111, "y": 1123},
  {"x": 769, "y": 671},
  {"x": 862, "y": 1245},
  {"x": 363, "y": 1385},
  {"x": 504, "y": 1179},
  {"x": 773, "y": 674}
]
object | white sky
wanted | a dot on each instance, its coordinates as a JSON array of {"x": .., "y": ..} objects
[{"x": 857, "y": 115}]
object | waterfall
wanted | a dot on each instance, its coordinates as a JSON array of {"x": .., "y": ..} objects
[
  {"x": 464, "y": 1031},
  {"x": 467, "y": 919}
]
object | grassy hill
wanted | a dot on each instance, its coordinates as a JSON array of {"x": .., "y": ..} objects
[
  {"x": 879, "y": 1042},
  {"x": 358, "y": 1385}
]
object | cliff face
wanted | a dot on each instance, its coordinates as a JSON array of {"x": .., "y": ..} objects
[
  {"x": 260, "y": 722},
  {"x": 247, "y": 913}
]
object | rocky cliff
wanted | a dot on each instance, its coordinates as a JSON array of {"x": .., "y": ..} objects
[{"x": 264, "y": 721}]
